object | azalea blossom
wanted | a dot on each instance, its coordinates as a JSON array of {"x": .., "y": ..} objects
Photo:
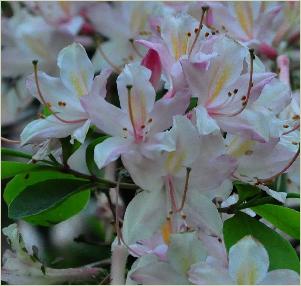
[
  {"x": 62, "y": 96},
  {"x": 248, "y": 264}
]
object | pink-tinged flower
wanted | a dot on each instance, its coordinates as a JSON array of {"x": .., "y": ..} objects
[
  {"x": 233, "y": 98},
  {"x": 251, "y": 23},
  {"x": 248, "y": 264},
  {"x": 64, "y": 16},
  {"x": 121, "y": 23},
  {"x": 184, "y": 250},
  {"x": 32, "y": 39},
  {"x": 178, "y": 36},
  {"x": 134, "y": 126},
  {"x": 62, "y": 97}
]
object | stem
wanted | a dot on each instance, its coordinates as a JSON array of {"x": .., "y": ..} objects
[
  {"x": 103, "y": 182},
  {"x": 119, "y": 257}
]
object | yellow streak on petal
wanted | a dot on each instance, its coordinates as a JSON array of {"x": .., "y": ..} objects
[
  {"x": 175, "y": 47},
  {"x": 223, "y": 77},
  {"x": 238, "y": 148},
  {"x": 174, "y": 161},
  {"x": 76, "y": 82},
  {"x": 65, "y": 6},
  {"x": 166, "y": 231},
  {"x": 247, "y": 277},
  {"x": 36, "y": 46},
  {"x": 245, "y": 16}
]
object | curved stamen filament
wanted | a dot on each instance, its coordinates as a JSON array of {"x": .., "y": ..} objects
[
  {"x": 135, "y": 48},
  {"x": 246, "y": 100},
  {"x": 185, "y": 189},
  {"x": 115, "y": 68},
  {"x": 293, "y": 129},
  {"x": 130, "y": 108},
  {"x": 283, "y": 170},
  {"x": 172, "y": 193},
  {"x": 35, "y": 66},
  {"x": 204, "y": 9}
]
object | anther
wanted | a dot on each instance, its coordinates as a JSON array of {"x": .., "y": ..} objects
[
  {"x": 213, "y": 33},
  {"x": 243, "y": 98},
  {"x": 295, "y": 143},
  {"x": 189, "y": 34},
  {"x": 249, "y": 152},
  {"x": 296, "y": 117},
  {"x": 196, "y": 30},
  {"x": 124, "y": 129},
  {"x": 207, "y": 34},
  {"x": 142, "y": 126},
  {"x": 129, "y": 87},
  {"x": 150, "y": 120},
  {"x": 235, "y": 90},
  {"x": 285, "y": 126},
  {"x": 158, "y": 28},
  {"x": 229, "y": 93}
]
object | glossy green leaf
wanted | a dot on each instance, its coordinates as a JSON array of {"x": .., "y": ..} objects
[
  {"x": 62, "y": 211},
  {"x": 10, "y": 169},
  {"x": 281, "y": 253},
  {"x": 285, "y": 219},
  {"x": 67, "y": 148},
  {"x": 246, "y": 191},
  {"x": 20, "y": 182},
  {"x": 68, "y": 208},
  {"x": 90, "y": 156},
  {"x": 42, "y": 196}
]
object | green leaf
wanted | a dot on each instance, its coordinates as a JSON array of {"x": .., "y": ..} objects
[
  {"x": 68, "y": 208},
  {"x": 14, "y": 153},
  {"x": 285, "y": 219},
  {"x": 43, "y": 196},
  {"x": 67, "y": 148},
  {"x": 20, "y": 182},
  {"x": 10, "y": 169},
  {"x": 62, "y": 211},
  {"x": 90, "y": 156},
  {"x": 193, "y": 103},
  {"x": 281, "y": 253},
  {"x": 246, "y": 191},
  {"x": 280, "y": 184}
]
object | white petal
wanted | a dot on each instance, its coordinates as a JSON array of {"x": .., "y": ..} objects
[
  {"x": 205, "y": 124},
  {"x": 281, "y": 277},
  {"x": 184, "y": 250},
  {"x": 144, "y": 216},
  {"x": 142, "y": 93},
  {"x": 248, "y": 261},
  {"x": 109, "y": 150},
  {"x": 76, "y": 69},
  {"x": 80, "y": 133},
  {"x": 204, "y": 274},
  {"x": 158, "y": 273},
  {"x": 50, "y": 127},
  {"x": 99, "y": 84}
]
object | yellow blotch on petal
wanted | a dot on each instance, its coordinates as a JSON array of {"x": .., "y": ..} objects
[
  {"x": 166, "y": 231},
  {"x": 245, "y": 16},
  {"x": 247, "y": 277},
  {"x": 238, "y": 148},
  {"x": 77, "y": 84},
  {"x": 223, "y": 77},
  {"x": 174, "y": 161}
]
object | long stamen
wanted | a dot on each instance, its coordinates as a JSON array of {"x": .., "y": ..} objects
[
  {"x": 204, "y": 9},
  {"x": 293, "y": 129},
  {"x": 246, "y": 99},
  {"x": 10, "y": 140},
  {"x": 283, "y": 170},
  {"x": 172, "y": 194},
  {"x": 185, "y": 189},
  {"x": 135, "y": 48},
  {"x": 116, "y": 68},
  {"x": 35, "y": 67},
  {"x": 130, "y": 107}
]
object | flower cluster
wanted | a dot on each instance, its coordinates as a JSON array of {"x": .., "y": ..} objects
[{"x": 196, "y": 100}]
